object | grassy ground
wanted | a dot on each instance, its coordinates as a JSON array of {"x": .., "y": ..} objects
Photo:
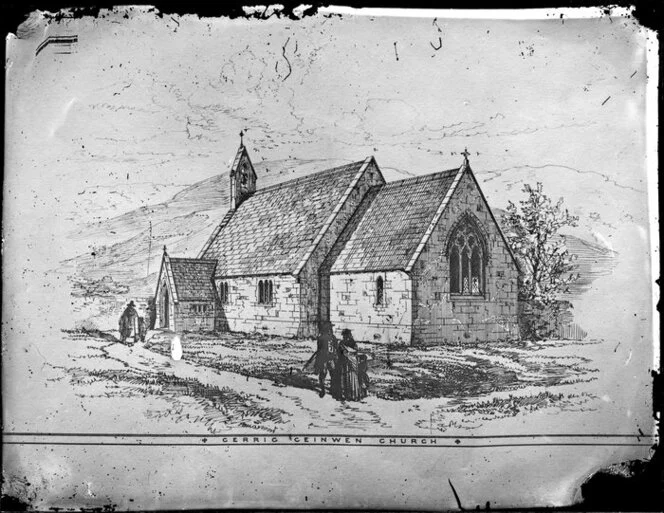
[
  {"x": 214, "y": 407},
  {"x": 232, "y": 381},
  {"x": 97, "y": 377},
  {"x": 396, "y": 372}
]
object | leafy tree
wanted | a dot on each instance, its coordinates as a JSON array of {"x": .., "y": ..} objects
[{"x": 547, "y": 268}]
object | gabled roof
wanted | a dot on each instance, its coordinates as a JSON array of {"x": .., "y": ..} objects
[
  {"x": 274, "y": 230},
  {"x": 215, "y": 232},
  {"x": 395, "y": 222},
  {"x": 192, "y": 278}
]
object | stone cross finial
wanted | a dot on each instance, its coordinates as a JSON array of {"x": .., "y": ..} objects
[
  {"x": 165, "y": 249},
  {"x": 465, "y": 154},
  {"x": 241, "y": 136}
]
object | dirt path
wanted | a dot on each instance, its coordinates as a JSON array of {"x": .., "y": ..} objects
[{"x": 304, "y": 409}]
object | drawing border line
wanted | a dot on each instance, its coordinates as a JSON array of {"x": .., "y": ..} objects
[{"x": 323, "y": 439}]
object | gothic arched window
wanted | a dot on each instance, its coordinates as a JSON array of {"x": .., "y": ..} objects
[{"x": 466, "y": 258}]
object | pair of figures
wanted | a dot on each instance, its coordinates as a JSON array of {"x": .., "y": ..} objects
[
  {"x": 345, "y": 365},
  {"x": 132, "y": 325}
]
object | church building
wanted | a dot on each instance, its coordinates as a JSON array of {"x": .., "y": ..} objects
[{"x": 420, "y": 261}]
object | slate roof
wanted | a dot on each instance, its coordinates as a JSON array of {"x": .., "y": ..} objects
[
  {"x": 193, "y": 278},
  {"x": 390, "y": 226},
  {"x": 272, "y": 230}
]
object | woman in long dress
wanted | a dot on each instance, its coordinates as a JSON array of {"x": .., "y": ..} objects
[{"x": 349, "y": 386}]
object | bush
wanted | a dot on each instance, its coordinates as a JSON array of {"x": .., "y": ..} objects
[
  {"x": 542, "y": 321},
  {"x": 105, "y": 287}
]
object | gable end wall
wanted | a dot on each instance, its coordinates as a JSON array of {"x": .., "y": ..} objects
[{"x": 438, "y": 317}]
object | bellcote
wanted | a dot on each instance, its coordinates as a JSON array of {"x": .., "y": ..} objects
[{"x": 243, "y": 177}]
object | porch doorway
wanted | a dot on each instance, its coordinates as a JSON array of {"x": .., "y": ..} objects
[{"x": 165, "y": 309}]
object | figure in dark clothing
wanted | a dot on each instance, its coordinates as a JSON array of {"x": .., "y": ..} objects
[
  {"x": 129, "y": 324},
  {"x": 142, "y": 329},
  {"x": 325, "y": 356},
  {"x": 350, "y": 379},
  {"x": 362, "y": 362},
  {"x": 363, "y": 368},
  {"x": 347, "y": 338}
]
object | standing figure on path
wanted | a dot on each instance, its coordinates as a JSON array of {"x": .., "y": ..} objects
[
  {"x": 347, "y": 338},
  {"x": 363, "y": 367},
  {"x": 325, "y": 356},
  {"x": 129, "y": 323},
  {"x": 348, "y": 370},
  {"x": 142, "y": 329},
  {"x": 362, "y": 363}
]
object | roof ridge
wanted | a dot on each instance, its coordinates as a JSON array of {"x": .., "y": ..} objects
[
  {"x": 421, "y": 178},
  {"x": 300, "y": 179}
]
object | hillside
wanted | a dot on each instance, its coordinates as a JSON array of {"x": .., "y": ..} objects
[{"x": 126, "y": 249}]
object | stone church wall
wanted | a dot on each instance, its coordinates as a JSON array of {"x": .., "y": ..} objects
[
  {"x": 312, "y": 293},
  {"x": 353, "y": 306},
  {"x": 245, "y": 314},
  {"x": 442, "y": 318},
  {"x": 194, "y": 316}
]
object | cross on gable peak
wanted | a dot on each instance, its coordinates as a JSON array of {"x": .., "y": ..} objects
[{"x": 465, "y": 154}]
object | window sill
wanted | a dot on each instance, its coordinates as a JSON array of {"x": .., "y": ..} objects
[{"x": 460, "y": 297}]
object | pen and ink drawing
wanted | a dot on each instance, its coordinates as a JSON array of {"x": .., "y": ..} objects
[
  {"x": 433, "y": 282},
  {"x": 338, "y": 282},
  {"x": 394, "y": 243}
]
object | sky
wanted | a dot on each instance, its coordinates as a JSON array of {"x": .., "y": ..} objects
[{"x": 163, "y": 99}]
